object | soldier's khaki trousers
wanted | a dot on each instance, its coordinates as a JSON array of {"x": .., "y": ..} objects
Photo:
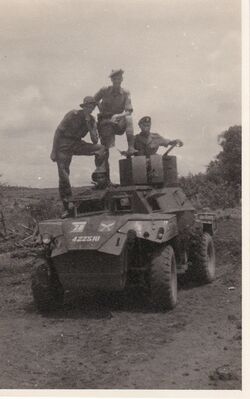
[
  {"x": 108, "y": 130},
  {"x": 63, "y": 164}
]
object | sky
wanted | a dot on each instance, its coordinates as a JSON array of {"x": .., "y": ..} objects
[{"x": 182, "y": 63}]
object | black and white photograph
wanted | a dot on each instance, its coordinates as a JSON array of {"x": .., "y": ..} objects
[{"x": 121, "y": 196}]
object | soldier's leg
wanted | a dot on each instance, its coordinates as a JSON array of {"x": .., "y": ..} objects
[
  {"x": 107, "y": 133},
  {"x": 107, "y": 138},
  {"x": 106, "y": 163},
  {"x": 126, "y": 123},
  {"x": 63, "y": 164},
  {"x": 89, "y": 149}
]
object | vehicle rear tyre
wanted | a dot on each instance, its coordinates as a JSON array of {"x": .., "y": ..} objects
[
  {"x": 47, "y": 290},
  {"x": 163, "y": 279},
  {"x": 203, "y": 259}
]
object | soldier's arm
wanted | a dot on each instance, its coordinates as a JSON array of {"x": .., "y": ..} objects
[
  {"x": 99, "y": 96},
  {"x": 58, "y": 133},
  {"x": 166, "y": 142},
  {"x": 93, "y": 131},
  {"x": 161, "y": 141},
  {"x": 128, "y": 104}
]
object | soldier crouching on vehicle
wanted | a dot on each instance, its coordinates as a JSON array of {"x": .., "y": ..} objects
[
  {"x": 115, "y": 117},
  {"x": 147, "y": 143},
  {"x": 68, "y": 142}
]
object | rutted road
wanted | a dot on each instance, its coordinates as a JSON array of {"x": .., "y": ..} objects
[{"x": 120, "y": 342}]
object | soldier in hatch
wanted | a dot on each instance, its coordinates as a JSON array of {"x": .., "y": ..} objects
[
  {"x": 115, "y": 117},
  {"x": 147, "y": 143},
  {"x": 68, "y": 142},
  {"x": 100, "y": 179}
]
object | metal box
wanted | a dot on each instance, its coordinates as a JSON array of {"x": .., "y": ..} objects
[
  {"x": 155, "y": 175},
  {"x": 133, "y": 171},
  {"x": 170, "y": 171}
]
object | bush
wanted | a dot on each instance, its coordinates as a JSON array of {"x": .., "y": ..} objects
[
  {"x": 204, "y": 193},
  {"x": 43, "y": 209},
  {"x": 220, "y": 186}
]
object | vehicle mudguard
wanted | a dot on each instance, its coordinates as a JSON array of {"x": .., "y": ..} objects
[
  {"x": 157, "y": 229},
  {"x": 208, "y": 221}
]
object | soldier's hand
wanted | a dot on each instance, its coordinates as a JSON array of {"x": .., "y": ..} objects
[
  {"x": 176, "y": 142},
  {"x": 129, "y": 152},
  {"x": 53, "y": 156},
  {"x": 114, "y": 118},
  {"x": 154, "y": 146},
  {"x": 179, "y": 143},
  {"x": 123, "y": 153}
]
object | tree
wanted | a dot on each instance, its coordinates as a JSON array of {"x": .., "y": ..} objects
[{"x": 227, "y": 164}]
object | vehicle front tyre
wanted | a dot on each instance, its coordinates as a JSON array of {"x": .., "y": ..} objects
[
  {"x": 163, "y": 279},
  {"x": 46, "y": 288}
]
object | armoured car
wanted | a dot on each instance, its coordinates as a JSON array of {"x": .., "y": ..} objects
[{"x": 143, "y": 232}]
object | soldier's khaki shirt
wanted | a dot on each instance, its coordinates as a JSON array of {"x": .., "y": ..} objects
[
  {"x": 72, "y": 129},
  {"x": 113, "y": 101},
  {"x": 149, "y": 145}
]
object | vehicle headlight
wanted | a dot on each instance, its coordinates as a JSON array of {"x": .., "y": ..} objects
[
  {"x": 46, "y": 239},
  {"x": 160, "y": 233}
]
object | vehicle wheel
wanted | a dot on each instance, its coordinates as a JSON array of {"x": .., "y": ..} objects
[
  {"x": 46, "y": 288},
  {"x": 203, "y": 259},
  {"x": 163, "y": 279}
]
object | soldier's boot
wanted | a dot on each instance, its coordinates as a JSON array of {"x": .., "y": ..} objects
[
  {"x": 130, "y": 135},
  {"x": 101, "y": 156},
  {"x": 102, "y": 161},
  {"x": 68, "y": 210},
  {"x": 103, "y": 168}
]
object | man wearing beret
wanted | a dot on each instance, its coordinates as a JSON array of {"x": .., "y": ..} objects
[
  {"x": 68, "y": 142},
  {"x": 115, "y": 117},
  {"x": 147, "y": 143}
]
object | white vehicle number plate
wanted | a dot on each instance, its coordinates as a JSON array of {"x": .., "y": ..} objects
[{"x": 86, "y": 238}]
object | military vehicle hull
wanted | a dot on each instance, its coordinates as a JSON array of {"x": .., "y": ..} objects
[{"x": 92, "y": 252}]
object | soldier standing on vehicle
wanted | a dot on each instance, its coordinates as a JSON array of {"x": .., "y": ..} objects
[
  {"x": 147, "y": 143},
  {"x": 68, "y": 142},
  {"x": 115, "y": 117}
]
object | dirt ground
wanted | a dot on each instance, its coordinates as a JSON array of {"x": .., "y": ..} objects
[{"x": 120, "y": 342}]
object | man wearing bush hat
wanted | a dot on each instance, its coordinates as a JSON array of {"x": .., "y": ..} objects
[
  {"x": 147, "y": 143},
  {"x": 115, "y": 117},
  {"x": 68, "y": 142}
]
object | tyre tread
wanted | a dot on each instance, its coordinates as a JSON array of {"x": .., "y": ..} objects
[
  {"x": 200, "y": 268},
  {"x": 47, "y": 291},
  {"x": 161, "y": 289}
]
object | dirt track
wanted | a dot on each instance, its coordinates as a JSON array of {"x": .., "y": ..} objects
[{"x": 121, "y": 342}]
